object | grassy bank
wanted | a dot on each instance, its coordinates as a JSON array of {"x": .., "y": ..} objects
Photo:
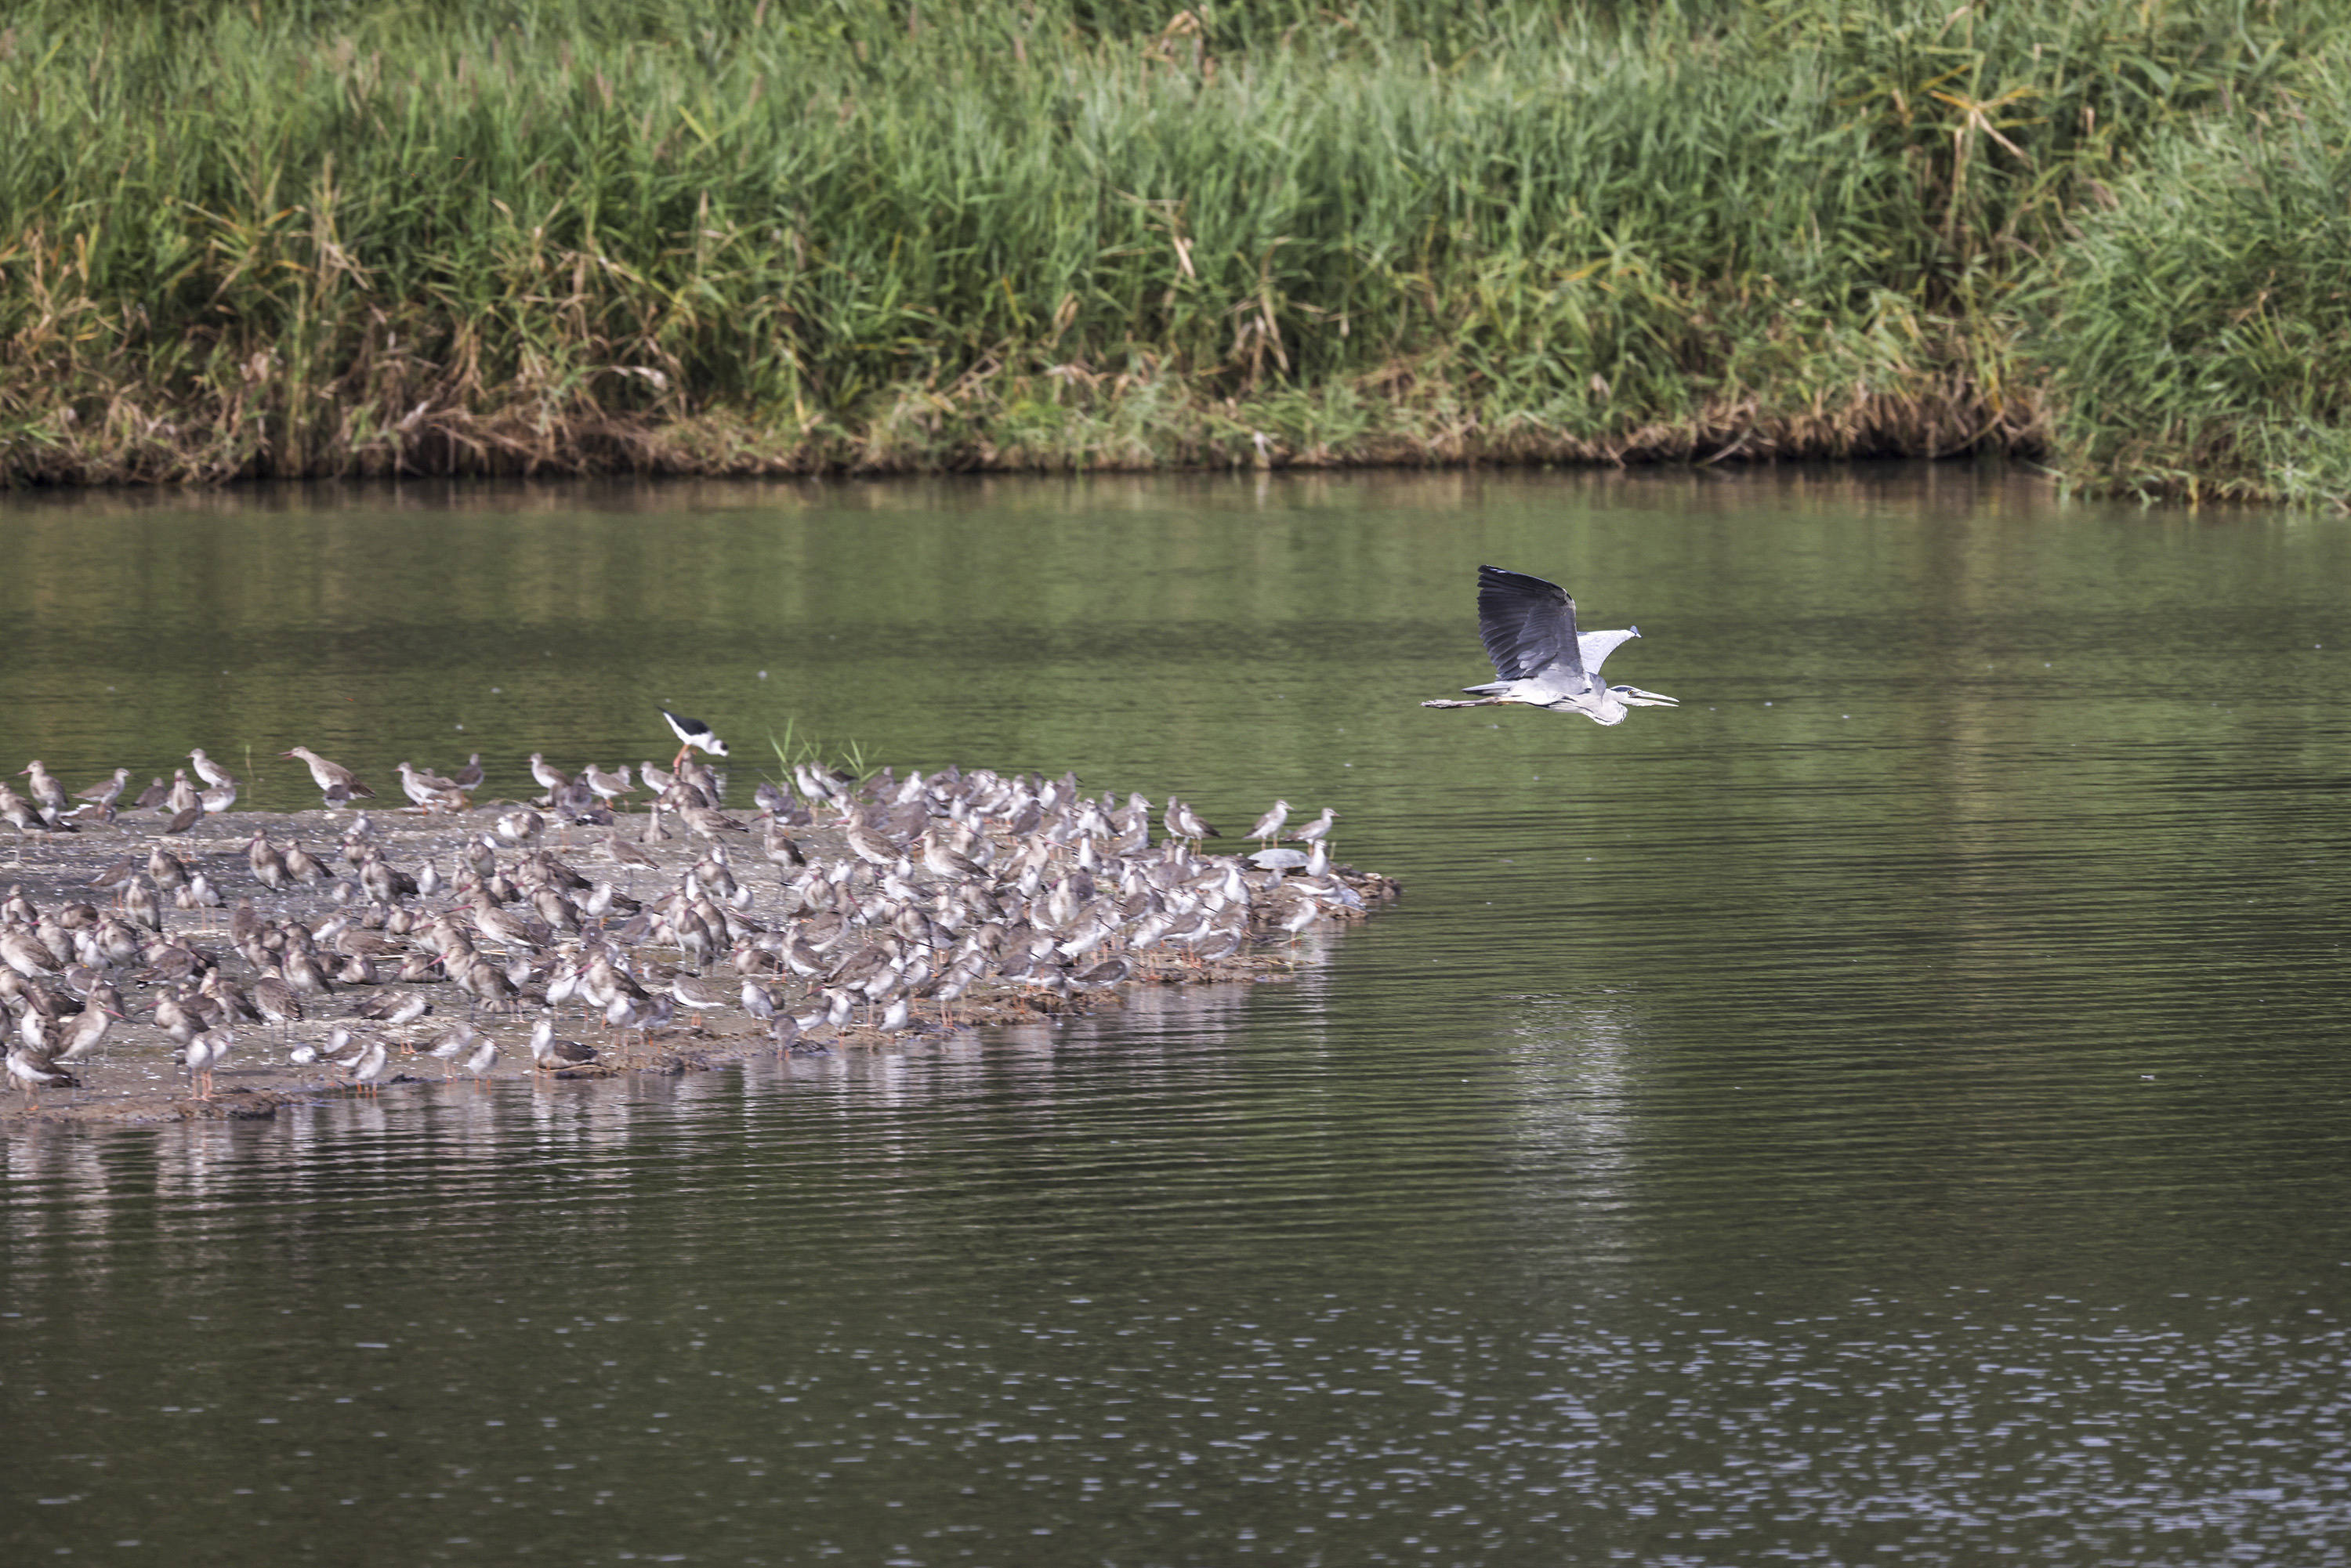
[
  {"x": 738, "y": 237},
  {"x": 2199, "y": 333}
]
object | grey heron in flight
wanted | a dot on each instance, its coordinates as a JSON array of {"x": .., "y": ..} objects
[{"x": 1528, "y": 628}]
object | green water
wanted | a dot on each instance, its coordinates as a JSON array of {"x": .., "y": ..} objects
[{"x": 1891, "y": 1108}]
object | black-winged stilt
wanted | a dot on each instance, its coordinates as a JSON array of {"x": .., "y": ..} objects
[{"x": 693, "y": 734}]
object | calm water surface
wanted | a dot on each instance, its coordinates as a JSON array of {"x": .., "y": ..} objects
[{"x": 1891, "y": 1108}]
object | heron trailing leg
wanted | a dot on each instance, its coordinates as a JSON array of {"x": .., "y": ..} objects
[{"x": 1457, "y": 701}]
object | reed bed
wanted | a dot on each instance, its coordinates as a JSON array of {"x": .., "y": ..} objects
[
  {"x": 2199, "y": 334},
  {"x": 741, "y": 237}
]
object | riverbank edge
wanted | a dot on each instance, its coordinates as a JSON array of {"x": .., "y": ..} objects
[{"x": 1334, "y": 428}]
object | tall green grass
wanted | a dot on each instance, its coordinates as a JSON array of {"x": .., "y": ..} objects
[
  {"x": 794, "y": 749},
  {"x": 738, "y": 236},
  {"x": 2199, "y": 334}
]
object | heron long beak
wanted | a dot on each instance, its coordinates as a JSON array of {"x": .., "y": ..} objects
[{"x": 1633, "y": 696}]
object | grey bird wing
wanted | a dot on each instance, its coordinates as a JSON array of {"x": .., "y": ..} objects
[
  {"x": 1595, "y": 646},
  {"x": 1528, "y": 625}
]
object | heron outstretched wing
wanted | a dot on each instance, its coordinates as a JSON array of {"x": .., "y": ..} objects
[
  {"x": 1595, "y": 646},
  {"x": 1528, "y": 625}
]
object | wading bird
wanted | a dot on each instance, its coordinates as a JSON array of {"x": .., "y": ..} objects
[
  {"x": 1269, "y": 826},
  {"x": 335, "y": 781},
  {"x": 428, "y": 789},
  {"x": 105, "y": 794},
  {"x": 692, "y": 733},
  {"x": 34, "y": 1067},
  {"x": 1528, "y": 629}
]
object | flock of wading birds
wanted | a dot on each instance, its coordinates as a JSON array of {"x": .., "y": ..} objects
[{"x": 945, "y": 884}]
